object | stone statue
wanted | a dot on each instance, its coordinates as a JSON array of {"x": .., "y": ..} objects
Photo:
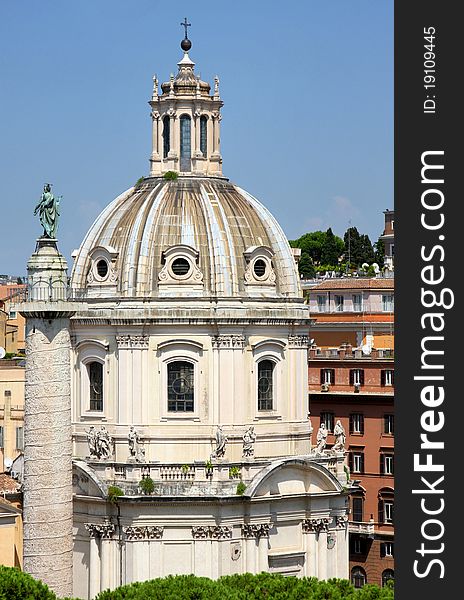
[
  {"x": 321, "y": 439},
  {"x": 92, "y": 441},
  {"x": 340, "y": 437},
  {"x": 221, "y": 442},
  {"x": 48, "y": 212},
  {"x": 136, "y": 451},
  {"x": 249, "y": 438},
  {"x": 134, "y": 439},
  {"x": 104, "y": 443}
]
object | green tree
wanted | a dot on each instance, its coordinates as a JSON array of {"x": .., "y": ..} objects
[
  {"x": 379, "y": 252},
  {"x": 330, "y": 249},
  {"x": 16, "y": 585},
  {"x": 306, "y": 267},
  {"x": 367, "y": 251}
]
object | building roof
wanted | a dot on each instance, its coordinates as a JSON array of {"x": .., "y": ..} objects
[
  {"x": 8, "y": 484},
  {"x": 218, "y": 220},
  {"x": 355, "y": 283}
]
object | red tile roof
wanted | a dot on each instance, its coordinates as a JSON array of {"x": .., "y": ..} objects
[
  {"x": 8, "y": 484},
  {"x": 355, "y": 283}
]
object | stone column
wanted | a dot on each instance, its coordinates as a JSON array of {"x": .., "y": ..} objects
[
  {"x": 94, "y": 560},
  {"x": 228, "y": 384},
  {"x": 256, "y": 536},
  {"x": 48, "y": 509},
  {"x": 155, "y": 159},
  {"x": 106, "y": 530},
  {"x": 317, "y": 528}
]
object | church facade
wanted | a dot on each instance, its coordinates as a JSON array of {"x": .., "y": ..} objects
[{"x": 182, "y": 337}]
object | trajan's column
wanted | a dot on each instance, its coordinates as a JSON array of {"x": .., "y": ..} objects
[{"x": 47, "y": 424}]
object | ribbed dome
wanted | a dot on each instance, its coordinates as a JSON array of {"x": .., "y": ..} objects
[{"x": 221, "y": 229}]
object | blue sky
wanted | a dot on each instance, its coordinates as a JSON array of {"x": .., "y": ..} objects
[{"x": 307, "y": 122}]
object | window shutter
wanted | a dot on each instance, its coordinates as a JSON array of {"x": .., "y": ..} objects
[
  {"x": 350, "y": 462},
  {"x": 382, "y": 377},
  {"x": 361, "y": 376},
  {"x": 322, "y": 376},
  {"x": 361, "y": 424},
  {"x": 19, "y": 438},
  {"x": 382, "y": 464},
  {"x": 332, "y": 374},
  {"x": 351, "y": 377},
  {"x": 393, "y": 465},
  {"x": 382, "y": 550},
  {"x": 351, "y": 424},
  {"x": 381, "y": 519},
  {"x": 1, "y": 436},
  {"x": 393, "y": 377},
  {"x": 362, "y": 462}
]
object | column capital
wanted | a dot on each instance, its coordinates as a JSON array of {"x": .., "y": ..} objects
[
  {"x": 316, "y": 525},
  {"x": 228, "y": 341},
  {"x": 215, "y": 532},
  {"x": 255, "y": 530},
  {"x": 133, "y": 341}
]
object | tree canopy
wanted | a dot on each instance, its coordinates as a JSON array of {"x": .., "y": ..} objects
[
  {"x": 323, "y": 250},
  {"x": 16, "y": 585}
]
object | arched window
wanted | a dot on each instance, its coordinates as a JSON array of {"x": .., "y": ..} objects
[
  {"x": 185, "y": 143},
  {"x": 166, "y": 137},
  {"x": 180, "y": 386},
  {"x": 95, "y": 371},
  {"x": 358, "y": 577},
  {"x": 265, "y": 384},
  {"x": 386, "y": 576},
  {"x": 203, "y": 135}
]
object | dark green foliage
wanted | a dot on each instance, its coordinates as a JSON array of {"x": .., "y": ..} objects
[
  {"x": 170, "y": 175},
  {"x": 358, "y": 248},
  {"x": 330, "y": 249},
  {"x": 318, "y": 247},
  {"x": 379, "y": 253},
  {"x": 114, "y": 492},
  {"x": 241, "y": 487},
  {"x": 147, "y": 485},
  {"x": 264, "y": 586},
  {"x": 139, "y": 181},
  {"x": 306, "y": 267},
  {"x": 16, "y": 585}
]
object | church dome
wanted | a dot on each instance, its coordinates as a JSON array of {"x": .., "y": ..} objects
[{"x": 191, "y": 237}]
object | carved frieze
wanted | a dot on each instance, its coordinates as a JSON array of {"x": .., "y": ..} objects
[
  {"x": 150, "y": 532},
  {"x": 133, "y": 341},
  {"x": 103, "y": 530},
  {"x": 341, "y": 521},
  {"x": 298, "y": 341},
  {"x": 316, "y": 525},
  {"x": 255, "y": 530},
  {"x": 228, "y": 341},
  {"x": 215, "y": 532}
]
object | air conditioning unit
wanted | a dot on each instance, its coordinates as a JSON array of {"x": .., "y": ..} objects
[
  {"x": 357, "y": 387},
  {"x": 325, "y": 387}
]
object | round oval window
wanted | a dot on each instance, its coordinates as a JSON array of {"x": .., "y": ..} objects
[
  {"x": 180, "y": 266},
  {"x": 259, "y": 268},
  {"x": 102, "y": 268}
]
